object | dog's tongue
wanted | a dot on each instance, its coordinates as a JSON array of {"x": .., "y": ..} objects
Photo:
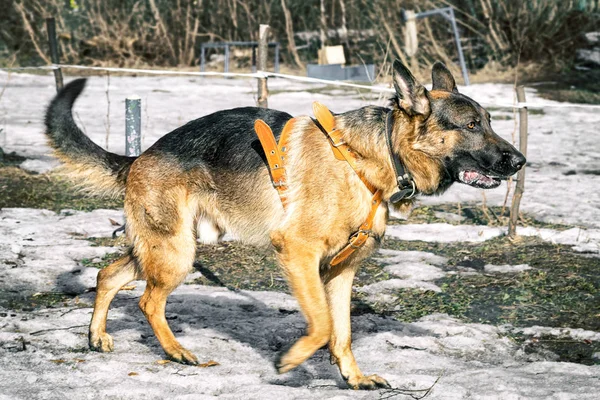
[
  {"x": 471, "y": 176},
  {"x": 477, "y": 179}
]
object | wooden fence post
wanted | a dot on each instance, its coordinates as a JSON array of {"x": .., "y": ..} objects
[
  {"x": 51, "y": 29},
  {"x": 520, "y": 187},
  {"x": 263, "y": 47}
]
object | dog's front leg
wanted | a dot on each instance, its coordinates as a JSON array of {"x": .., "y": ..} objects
[
  {"x": 338, "y": 287},
  {"x": 300, "y": 262}
]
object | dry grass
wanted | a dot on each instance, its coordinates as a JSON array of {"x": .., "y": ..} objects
[{"x": 168, "y": 32}]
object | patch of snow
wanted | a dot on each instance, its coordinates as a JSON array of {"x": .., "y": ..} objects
[
  {"x": 450, "y": 217},
  {"x": 41, "y": 165},
  {"x": 378, "y": 291},
  {"x": 573, "y": 333},
  {"x": 443, "y": 233},
  {"x": 414, "y": 268},
  {"x": 415, "y": 271},
  {"x": 583, "y": 240},
  {"x": 46, "y": 247},
  {"x": 394, "y": 256},
  {"x": 506, "y": 269}
]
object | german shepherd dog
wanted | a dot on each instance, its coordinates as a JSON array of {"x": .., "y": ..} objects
[{"x": 211, "y": 172}]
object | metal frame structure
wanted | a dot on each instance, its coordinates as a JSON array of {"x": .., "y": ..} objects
[
  {"x": 227, "y": 45},
  {"x": 448, "y": 14}
]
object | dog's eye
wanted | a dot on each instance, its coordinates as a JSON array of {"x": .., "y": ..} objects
[{"x": 471, "y": 125}]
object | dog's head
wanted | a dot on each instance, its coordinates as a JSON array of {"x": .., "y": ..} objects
[{"x": 455, "y": 130}]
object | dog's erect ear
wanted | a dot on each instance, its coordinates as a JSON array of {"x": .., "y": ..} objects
[
  {"x": 412, "y": 96},
  {"x": 442, "y": 78}
]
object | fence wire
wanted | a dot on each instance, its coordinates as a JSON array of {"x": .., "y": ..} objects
[{"x": 268, "y": 74}]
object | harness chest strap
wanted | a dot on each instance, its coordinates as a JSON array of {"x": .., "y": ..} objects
[
  {"x": 342, "y": 151},
  {"x": 358, "y": 239}
]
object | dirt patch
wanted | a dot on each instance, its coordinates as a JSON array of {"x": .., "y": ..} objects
[
  {"x": 575, "y": 87},
  {"x": 470, "y": 214},
  {"x": 50, "y": 191}
]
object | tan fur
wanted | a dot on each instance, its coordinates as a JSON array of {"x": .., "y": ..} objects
[{"x": 89, "y": 177}]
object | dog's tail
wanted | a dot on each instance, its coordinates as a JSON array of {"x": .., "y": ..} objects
[{"x": 97, "y": 169}]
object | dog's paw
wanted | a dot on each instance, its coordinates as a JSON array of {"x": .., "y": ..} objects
[
  {"x": 102, "y": 342},
  {"x": 283, "y": 363},
  {"x": 183, "y": 356},
  {"x": 370, "y": 382},
  {"x": 298, "y": 353},
  {"x": 282, "y": 368}
]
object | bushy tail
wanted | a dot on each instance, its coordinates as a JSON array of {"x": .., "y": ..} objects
[{"x": 96, "y": 168}]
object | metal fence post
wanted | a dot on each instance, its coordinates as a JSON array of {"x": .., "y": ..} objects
[
  {"x": 51, "y": 29},
  {"x": 461, "y": 57},
  {"x": 263, "y": 46},
  {"x": 133, "y": 136},
  {"x": 448, "y": 14},
  {"x": 226, "y": 58},
  {"x": 202, "y": 57},
  {"x": 520, "y": 187},
  {"x": 133, "y": 126}
]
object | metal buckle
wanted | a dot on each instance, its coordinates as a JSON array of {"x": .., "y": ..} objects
[
  {"x": 367, "y": 232},
  {"x": 402, "y": 194},
  {"x": 333, "y": 143},
  {"x": 414, "y": 190}
]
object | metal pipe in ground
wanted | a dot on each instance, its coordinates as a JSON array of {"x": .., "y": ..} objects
[
  {"x": 133, "y": 126},
  {"x": 133, "y": 136},
  {"x": 520, "y": 187},
  {"x": 263, "y": 46},
  {"x": 51, "y": 29},
  {"x": 461, "y": 57}
]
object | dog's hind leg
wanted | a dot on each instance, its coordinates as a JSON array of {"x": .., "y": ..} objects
[
  {"x": 162, "y": 208},
  {"x": 300, "y": 262},
  {"x": 109, "y": 282},
  {"x": 338, "y": 287},
  {"x": 166, "y": 260}
]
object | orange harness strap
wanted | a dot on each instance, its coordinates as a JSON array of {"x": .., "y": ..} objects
[
  {"x": 275, "y": 154},
  {"x": 344, "y": 152},
  {"x": 341, "y": 150}
]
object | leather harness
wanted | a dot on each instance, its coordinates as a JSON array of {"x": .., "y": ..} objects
[{"x": 275, "y": 154}]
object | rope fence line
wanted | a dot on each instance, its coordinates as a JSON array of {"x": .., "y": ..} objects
[{"x": 267, "y": 74}]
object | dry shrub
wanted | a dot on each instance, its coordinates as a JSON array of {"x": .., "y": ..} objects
[{"x": 168, "y": 32}]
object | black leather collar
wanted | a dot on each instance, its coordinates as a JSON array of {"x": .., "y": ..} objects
[{"x": 406, "y": 185}]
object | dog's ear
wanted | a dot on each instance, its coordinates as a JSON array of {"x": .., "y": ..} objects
[
  {"x": 442, "y": 78},
  {"x": 412, "y": 96}
]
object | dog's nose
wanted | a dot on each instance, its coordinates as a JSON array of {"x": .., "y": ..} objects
[{"x": 517, "y": 160}]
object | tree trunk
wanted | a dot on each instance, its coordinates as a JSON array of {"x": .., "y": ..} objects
[
  {"x": 323, "y": 25},
  {"x": 289, "y": 29},
  {"x": 344, "y": 32}
]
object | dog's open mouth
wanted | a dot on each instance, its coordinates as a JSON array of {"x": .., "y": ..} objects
[{"x": 479, "y": 180}]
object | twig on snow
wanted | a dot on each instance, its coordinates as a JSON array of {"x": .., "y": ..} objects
[
  {"x": 388, "y": 394},
  {"x": 56, "y": 329}
]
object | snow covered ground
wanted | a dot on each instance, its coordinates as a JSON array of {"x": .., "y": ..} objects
[{"x": 43, "y": 352}]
